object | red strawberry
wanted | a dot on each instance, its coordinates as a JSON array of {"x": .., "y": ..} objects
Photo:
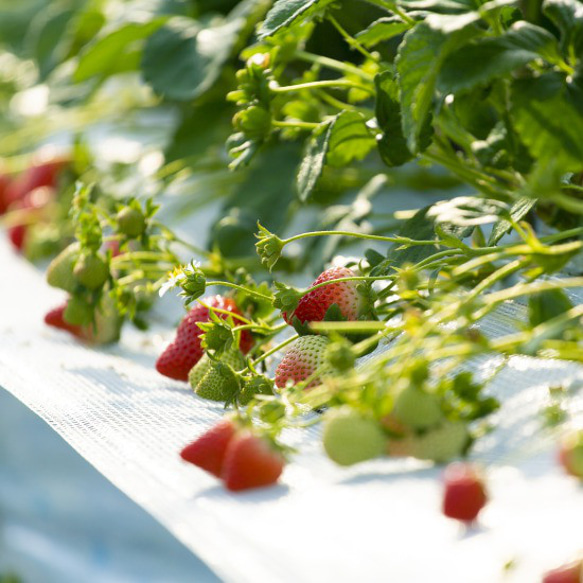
[
  {"x": 36, "y": 176},
  {"x": 313, "y": 306},
  {"x": 35, "y": 199},
  {"x": 55, "y": 319},
  {"x": 208, "y": 451},
  {"x": 465, "y": 494},
  {"x": 251, "y": 462},
  {"x": 186, "y": 350},
  {"x": 4, "y": 184},
  {"x": 571, "y": 573},
  {"x": 303, "y": 359}
]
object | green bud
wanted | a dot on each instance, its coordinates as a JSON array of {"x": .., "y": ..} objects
[
  {"x": 269, "y": 247},
  {"x": 131, "y": 222}
]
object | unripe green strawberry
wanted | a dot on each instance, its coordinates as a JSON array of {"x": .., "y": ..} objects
[
  {"x": 441, "y": 444},
  {"x": 417, "y": 409},
  {"x": 349, "y": 438},
  {"x": 220, "y": 383},
  {"x": 78, "y": 312},
  {"x": 233, "y": 358},
  {"x": 198, "y": 371},
  {"x": 108, "y": 323},
  {"x": 60, "y": 270},
  {"x": 131, "y": 222},
  {"x": 91, "y": 271},
  {"x": 303, "y": 359}
]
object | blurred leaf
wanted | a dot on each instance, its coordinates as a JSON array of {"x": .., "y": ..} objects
[
  {"x": 200, "y": 128},
  {"x": 518, "y": 211},
  {"x": 335, "y": 142},
  {"x": 119, "y": 51},
  {"x": 350, "y": 139},
  {"x": 270, "y": 179},
  {"x": 497, "y": 57},
  {"x": 287, "y": 12},
  {"x": 181, "y": 61},
  {"x": 567, "y": 15},
  {"x": 381, "y": 30},
  {"x": 418, "y": 63},
  {"x": 466, "y": 211},
  {"x": 547, "y": 305},
  {"x": 550, "y": 136},
  {"x": 45, "y": 38},
  {"x": 313, "y": 161},
  {"x": 392, "y": 145}
]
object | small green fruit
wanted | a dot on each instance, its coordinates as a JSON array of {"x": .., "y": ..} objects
[
  {"x": 417, "y": 409},
  {"x": 350, "y": 438},
  {"x": 220, "y": 383},
  {"x": 442, "y": 444},
  {"x": 131, "y": 222},
  {"x": 91, "y": 271},
  {"x": 78, "y": 312},
  {"x": 60, "y": 270},
  {"x": 198, "y": 371}
]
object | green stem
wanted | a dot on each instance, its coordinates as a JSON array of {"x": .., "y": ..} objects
[
  {"x": 352, "y": 42},
  {"x": 338, "y": 83},
  {"x": 333, "y": 64},
  {"x": 401, "y": 240},
  {"x": 396, "y": 10},
  {"x": 275, "y": 349},
  {"x": 240, "y": 288},
  {"x": 305, "y": 125}
]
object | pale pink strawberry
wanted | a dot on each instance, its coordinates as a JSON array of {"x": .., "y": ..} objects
[
  {"x": 313, "y": 306},
  {"x": 301, "y": 361}
]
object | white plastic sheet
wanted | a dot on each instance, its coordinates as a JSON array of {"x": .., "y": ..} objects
[{"x": 379, "y": 521}]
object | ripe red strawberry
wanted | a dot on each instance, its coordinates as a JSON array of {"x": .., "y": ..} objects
[
  {"x": 186, "y": 350},
  {"x": 55, "y": 319},
  {"x": 313, "y": 306},
  {"x": 303, "y": 359},
  {"x": 571, "y": 573},
  {"x": 37, "y": 176},
  {"x": 208, "y": 451},
  {"x": 4, "y": 184},
  {"x": 33, "y": 200},
  {"x": 251, "y": 462},
  {"x": 465, "y": 493}
]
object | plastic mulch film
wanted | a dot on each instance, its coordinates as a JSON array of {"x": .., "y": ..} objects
[{"x": 378, "y": 521}]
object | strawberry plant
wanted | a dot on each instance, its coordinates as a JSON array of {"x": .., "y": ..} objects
[{"x": 420, "y": 162}]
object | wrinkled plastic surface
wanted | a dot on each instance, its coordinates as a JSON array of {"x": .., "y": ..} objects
[{"x": 379, "y": 521}]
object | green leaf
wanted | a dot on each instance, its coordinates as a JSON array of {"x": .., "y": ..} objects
[
  {"x": 392, "y": 145},
  {"x": 419, "y": 227},
  {"x": 46, "y": 38},
  {"x": 287, "y": 12},
  {"x": 418, "y": 63},
  {"x": 497, "y": 57},
  {"x": 466, "y": 211},
  {"x": 117, "y": 52},
  {"x": 200, "y": 128},
  {"x": 518, "y": 211},
  {"x": 567, "y": 15},
  {"x": 313, "y": 161},
  {"x": 548, "y": 118},
  {"x": 335, "y": 142},
  {"x": 181, "y": 61},
  {"x": 381, "y": 30},
  {"x": 350, "y": 139},
  {"x": 440, "y": 6}
]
